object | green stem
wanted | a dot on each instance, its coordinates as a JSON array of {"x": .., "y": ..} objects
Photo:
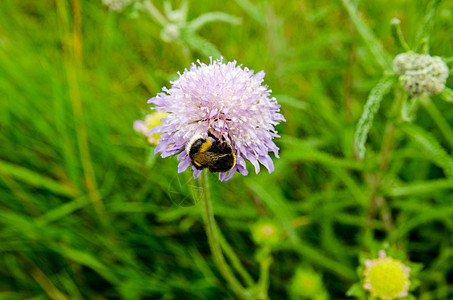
[
  {"x": 263, "y": 283},
  {"x": 398, "y": 35},
  {"x": 425, "y": 29},
  {"x": 378, "y": 202},
  {"x": 439, "y": 119},
  {"x": 213, "y": 240},
  {"x": 154, "y": 12},
  {"x": 237, "y": 265}
]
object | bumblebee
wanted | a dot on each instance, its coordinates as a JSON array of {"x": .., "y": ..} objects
[{"x": 217, "y": 156}]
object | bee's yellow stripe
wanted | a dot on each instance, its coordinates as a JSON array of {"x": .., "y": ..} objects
[
  {"x": 205, "y": 146},
  {"x": 234, "y": 157}
]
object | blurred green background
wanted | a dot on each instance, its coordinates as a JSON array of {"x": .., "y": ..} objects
[{"x": 86, "y": 210}]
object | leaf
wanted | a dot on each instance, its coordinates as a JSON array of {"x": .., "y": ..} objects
[
  {"x": 373, "y": 44},
  {"x": 254, "y": 11},
  {"x": 370, "y": 110},
  {"x": 291, "y": 101},
  {"x": 35, "y": 179},
  {"x": 428, "y": 23},
  {"x": 428, "y": 216},
  {"x": 429, "y": 144},
  {"x": 86, "y": 259},
  {"x": 447, "y": 95},
  {"x": 216, "y": 16},
  {"x": 200, "y": 44},
  {"x": 409, "y": 109},
  {"x": 299, "y": 150},
  {"x": 416, "y": 188},
  {"x": 278, "y": 206},
  {"x": 355, "y": 290}
]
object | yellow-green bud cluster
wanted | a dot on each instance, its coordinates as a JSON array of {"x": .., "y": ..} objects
[
  {"x": 421, "y": 74},
  {"x": 266, "y": 232},
  {"x": 308, "y": 284}
]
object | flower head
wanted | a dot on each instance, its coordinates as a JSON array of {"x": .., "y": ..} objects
[
  {"x": 151, "y": 120},
  {"x": 386, "y": 278},
  {"x": 227, "y": 101},
  {"x": 421, "y": 73}
]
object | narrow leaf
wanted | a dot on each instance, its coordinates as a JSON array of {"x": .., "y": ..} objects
[
  {"x": 200, "y": 44},
  {"x": 373, "y": 44},
  {"x": 447, "y": 95},
  {"x": 409, "y": 109},
  {"x": 35, "y": 179},
  {"x": 417, "y": 188},
  {"x": 285, "y": 214},
  {"x": 371, "y": 108},
  {"x": 202, "y": 20},
  {"x": 428, "y": 216},
  {"x": 428, "y": 24},
  {"x": 429, "y": 144}
]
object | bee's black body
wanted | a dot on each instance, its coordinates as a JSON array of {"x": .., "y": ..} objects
[{"x": 217, "y": 156}]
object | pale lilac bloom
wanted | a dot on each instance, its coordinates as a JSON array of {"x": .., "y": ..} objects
[{"x": 224, "y": 99}]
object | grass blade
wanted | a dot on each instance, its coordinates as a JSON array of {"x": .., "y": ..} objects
[
  {"x": 373, "y": 44},
  {"x": 417, "y": 188},
  {"x": 35, "y": 179},
  {"x": 428, "y": 24}
]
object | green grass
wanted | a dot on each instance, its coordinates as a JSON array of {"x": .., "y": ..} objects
[{"x": 84, "y": 214}]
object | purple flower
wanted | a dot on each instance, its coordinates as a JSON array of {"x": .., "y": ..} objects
[{"x": 226, "y": 100}]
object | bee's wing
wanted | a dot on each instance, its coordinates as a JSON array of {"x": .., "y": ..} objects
[{"x": 209, "y": 159}]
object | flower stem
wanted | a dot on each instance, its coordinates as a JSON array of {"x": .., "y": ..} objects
[
  {"x": 263, "y": 283},
  {"x": 378, "y": 202},
  {"x": 398, "y": 35},
  {"x": 213, "y": 240},
  {"x": 237, "y": 265},
  {"x": 154, "y": 12}
]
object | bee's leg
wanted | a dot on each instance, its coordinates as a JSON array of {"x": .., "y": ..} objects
[{"x": 212, "y": 136}]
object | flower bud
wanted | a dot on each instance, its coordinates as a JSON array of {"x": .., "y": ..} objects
[
  {"x": 421, "y": 74},
  {"x": 170, "y": 33},
  {"x": 307, "y": 284},
  {"x": 266, "y": 233}
]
